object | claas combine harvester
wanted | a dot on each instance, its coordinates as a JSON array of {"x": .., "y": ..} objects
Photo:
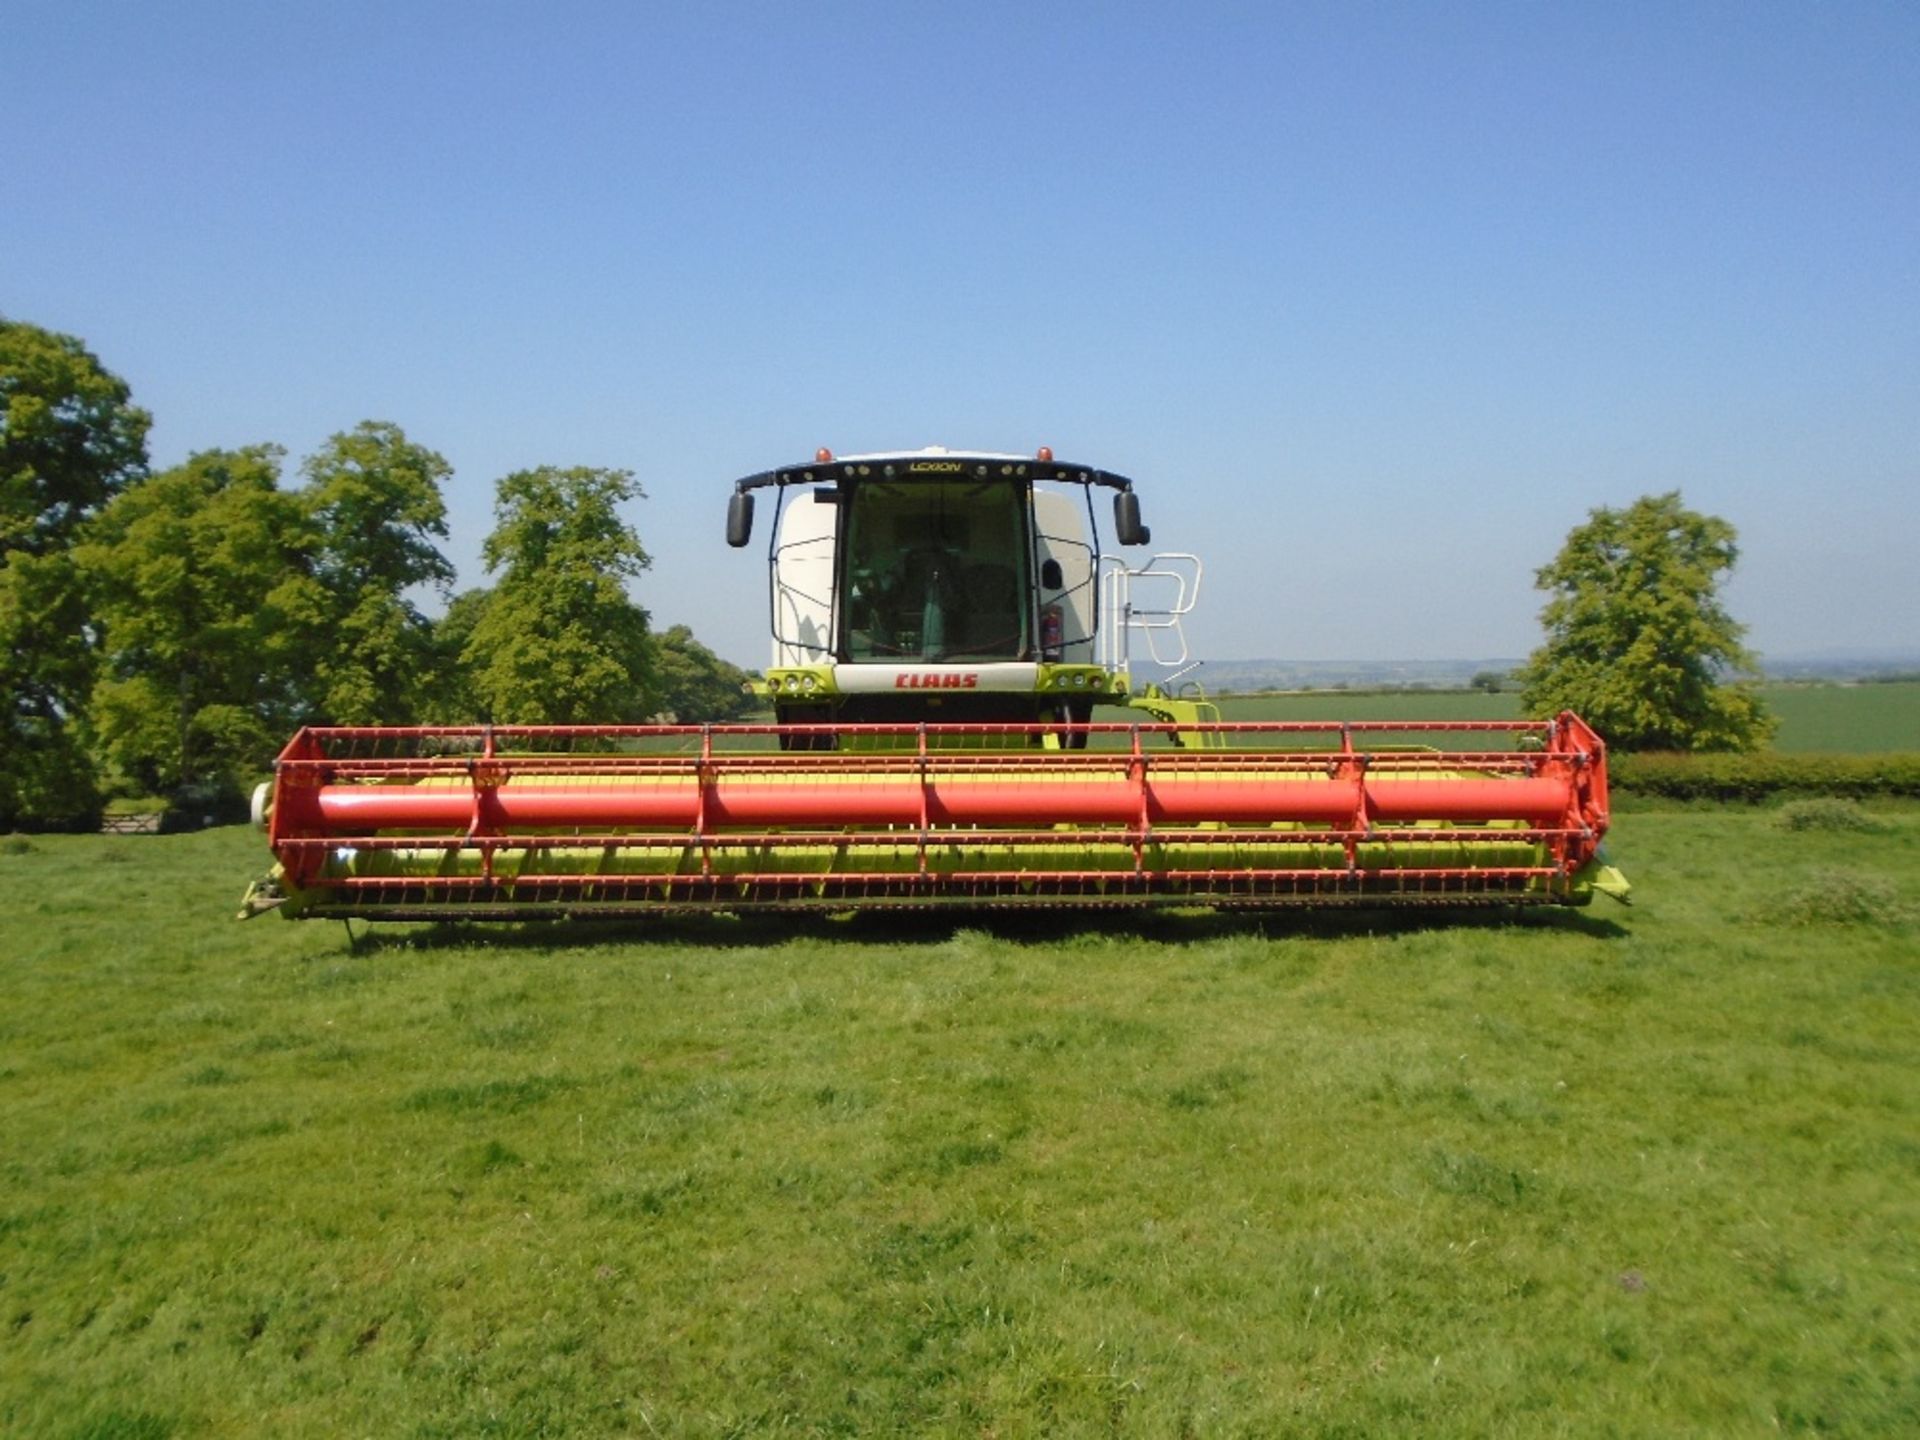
[{"x": 954, "y": 723}]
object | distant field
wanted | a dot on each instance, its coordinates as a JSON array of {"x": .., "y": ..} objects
[
  {"x": 1848, "y": 718},
  {"x": 1860, "y": 719},
  {"x": 1337, "y": 706},
  {"x": 1625, "y": 1172}
]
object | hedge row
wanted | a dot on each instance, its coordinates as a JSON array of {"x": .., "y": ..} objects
[{"x": 1765, "y": 775}]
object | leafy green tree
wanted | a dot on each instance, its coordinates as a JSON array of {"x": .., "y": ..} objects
[
  {"x": 1638, "y": 641},
  {"x": 70, "y": 440},
  {"x": 374, "y": 499},
  {"x": 560, "y": 642},
  {"x": 47, "y": 778},
  {"x": 450, "y": 699},
  {"x": 206, "y": 601},
  {"x": 694, "y": 685}
]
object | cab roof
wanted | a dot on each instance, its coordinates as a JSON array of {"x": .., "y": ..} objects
[{"x": 935, "y": 462}]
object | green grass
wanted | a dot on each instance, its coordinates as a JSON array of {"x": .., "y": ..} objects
[
  {"x": 1855, "y": 719},
  {"x": 1647, "y": 1172},
  {"x": 1847, "y": 718}
]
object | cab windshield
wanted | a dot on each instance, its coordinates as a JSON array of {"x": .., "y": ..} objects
[{"x": 935, "y": 570}]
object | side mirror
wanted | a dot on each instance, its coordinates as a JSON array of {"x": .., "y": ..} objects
[
  {"x": 739, "y": 518},
  {"x": 1126, "y": 519}
]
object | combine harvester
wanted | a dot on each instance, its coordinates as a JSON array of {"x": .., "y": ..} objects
[{"x": 946, "y": 628}]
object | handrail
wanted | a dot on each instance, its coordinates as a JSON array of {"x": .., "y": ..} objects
[{"x": 1166, "y": 640}]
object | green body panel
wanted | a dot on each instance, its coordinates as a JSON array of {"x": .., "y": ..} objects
[
  {"x": 1080, "y": 856},
  {"x": 823, "y": 857}
]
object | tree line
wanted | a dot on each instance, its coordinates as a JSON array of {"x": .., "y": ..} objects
[{"x": 166, "y": 631}]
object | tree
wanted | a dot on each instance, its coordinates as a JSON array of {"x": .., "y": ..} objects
[
  {"x": 694, "y": 685},
  {"x": 374, "y": 500},
  {"x": 207, "y": 605},
  {"x": 560, "y": 642},
  {"x": 70, "y": 440},
  {"x": 1638, "y": 641},
  {"x": 451, "y": 699}
]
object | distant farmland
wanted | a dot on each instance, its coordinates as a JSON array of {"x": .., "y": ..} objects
[
  {"x": 1860, "y": 719},
  {"x": 1857, "y": 718}
]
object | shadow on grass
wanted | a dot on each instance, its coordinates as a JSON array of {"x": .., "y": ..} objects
[
  {"x": 1170, "y": 926},
  {"x": 1179, "y": 925}
]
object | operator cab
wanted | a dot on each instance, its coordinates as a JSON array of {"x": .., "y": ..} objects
[{"x": 956, "y": 582}]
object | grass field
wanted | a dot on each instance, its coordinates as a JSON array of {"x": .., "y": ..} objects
[
  {"x": 1646, "y": 1172},
  {"x": 1856, "y": 719},
  {"x": 1849, "y": 718}
]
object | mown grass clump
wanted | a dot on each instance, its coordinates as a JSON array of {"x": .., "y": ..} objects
[
  {"x": 1838, "y": 897},
  {"x": 1642, "y": 1172},
  {"x": 1827, "y": 813}
]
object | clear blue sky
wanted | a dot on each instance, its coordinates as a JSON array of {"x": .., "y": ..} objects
[{"x": 1374, "y": 300}]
